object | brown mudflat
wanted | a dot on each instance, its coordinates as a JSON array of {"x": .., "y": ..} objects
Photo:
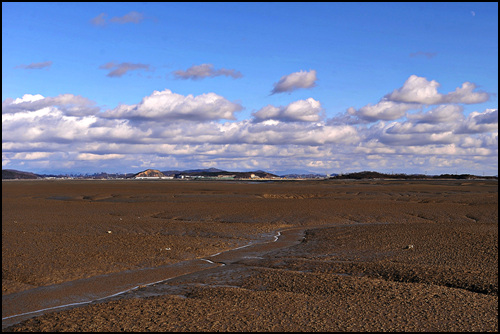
[{"x": 350, "y": 256}]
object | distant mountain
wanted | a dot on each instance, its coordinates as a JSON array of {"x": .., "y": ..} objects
[{"x": 12, "y": 174}]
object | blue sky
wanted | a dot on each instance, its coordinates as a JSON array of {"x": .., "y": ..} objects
[{"x": 283, "y": 87}]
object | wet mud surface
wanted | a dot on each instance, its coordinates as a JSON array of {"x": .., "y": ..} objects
[{"x": 228, "y": 256}]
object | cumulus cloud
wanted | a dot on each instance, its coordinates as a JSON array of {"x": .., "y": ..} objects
[
  {"x": 383, "y": 110},
  {"x": 119, "y": 70},
  {"x": 466, "y": 95},
  {"x": 419, "y": 90},
  {"x": 291, "y": 82},
  {"x": 48, "y": 125},
  {"x": 416, "y": 93},
  {"x": 435, "y": 128},
  {"x": 274, "y": 132},
  {"x": 169, "y": 105},
  {"x": 166, "y": 129},
  {"x": 441, "y": 114},
  {"x": 69, "y": 104},
  {"x": 303, "y": 110},
  {"x": 36, "y": 66},
  {"x": 478, "y": 122},
  {"x": 202, "y": 71}
]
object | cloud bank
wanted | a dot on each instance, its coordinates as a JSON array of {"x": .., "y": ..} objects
[{"x": 413, "y": 128}]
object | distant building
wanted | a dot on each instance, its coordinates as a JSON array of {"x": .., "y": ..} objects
[{"x": 153, "y": 177}]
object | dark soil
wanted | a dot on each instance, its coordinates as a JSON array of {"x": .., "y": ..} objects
[{"x": 351, "y": 256}]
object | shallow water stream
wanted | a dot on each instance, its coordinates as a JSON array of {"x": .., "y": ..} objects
[{"x": 23, "y": 305}]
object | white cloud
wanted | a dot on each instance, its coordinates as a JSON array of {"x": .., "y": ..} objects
[
  {"x": 419, "y": 90},
  {"x": 440, "y": 114},
  {"x": 91, "y": 156},
  {"x": 71, "y": 105},
  {"x": 291, "y": 82},
  {"x": 466, "y": 94},
  {"x": 202, "y": 71},
  {"x": 477, "y": 122},
  {"x": 296, "y": 133},
  {"x": 167, "y": 129},
  {"x": 163, "y": 105},
  {"x": 32, "y": 155},
  {"x": 384, "y": 110},
  {"x": 28, "y": 98},
  {"x": 117, "y": 131},
  {"x": 308, "y": 110}
]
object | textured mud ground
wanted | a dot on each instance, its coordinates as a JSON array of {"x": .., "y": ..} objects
[{"x": 351, "y": 271}]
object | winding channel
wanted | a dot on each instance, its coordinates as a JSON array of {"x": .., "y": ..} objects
[{"x": 23, "y": 305}]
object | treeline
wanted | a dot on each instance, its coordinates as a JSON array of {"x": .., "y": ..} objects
[{"x": 377, "y": 175}]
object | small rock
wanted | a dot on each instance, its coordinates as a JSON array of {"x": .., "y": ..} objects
[{"x": 408, "y": 247}]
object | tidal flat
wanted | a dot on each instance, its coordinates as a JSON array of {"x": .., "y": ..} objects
[{"x": 322, "y": 255}]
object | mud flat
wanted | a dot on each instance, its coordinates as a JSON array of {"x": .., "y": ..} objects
[{"x": 229, "y": 256}]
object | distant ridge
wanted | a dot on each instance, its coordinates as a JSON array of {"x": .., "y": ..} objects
[
  {"x": 211, "y": 173},
  {"x": 215, "y": 172},
  {"x": 370, "y": 175},
  {"x": 12, "y": 174},
  {"x": 209, "y": 170},
  {"x": 191, "y": 171}
]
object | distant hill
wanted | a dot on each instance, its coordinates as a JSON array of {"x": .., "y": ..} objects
[
  {"x": 304, "y": 176},
  {"x": 191, "y": 171},
  {"x": 149, "y": 173},
  {"x": 12, "y": 174},
  {"x": 376, "y": 175},
  {"x": 210, "y": 173},
  {"x": 372, "y": 175},
  {"x": 209, "y": 170},
  {"x": 214, "y": 172}
]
